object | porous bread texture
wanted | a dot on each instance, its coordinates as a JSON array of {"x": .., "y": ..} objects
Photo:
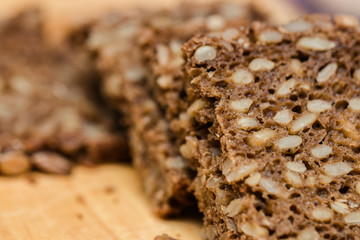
[
  {"x": 164, "y": 175},
  {"x": 280, "y": 159},
  {"x": 48, "y": 113},
  {"x": 142, "y": 63}
]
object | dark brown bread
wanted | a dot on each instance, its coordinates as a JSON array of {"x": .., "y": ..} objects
[
  {"x": 280, "y": 159},
  {"x": 49, "y": 113},
  {"x": 142, "y": 64}
]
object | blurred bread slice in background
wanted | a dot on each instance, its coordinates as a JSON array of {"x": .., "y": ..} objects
[{"x": 62, "y": 15}]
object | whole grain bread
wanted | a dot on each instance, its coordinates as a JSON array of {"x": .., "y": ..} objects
[
  {"x": 280, "y": 158},
  {"x": 140, "y": 57},
  {"x": 50, "y": 112}
]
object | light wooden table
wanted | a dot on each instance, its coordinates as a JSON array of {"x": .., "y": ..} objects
[
  {"x": 92, "y": 204},
  {"x": 103, "y": 203}
]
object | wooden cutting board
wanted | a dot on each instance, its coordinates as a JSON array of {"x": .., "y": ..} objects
[
  {"x": 93, "y": 203},
  {"x": 103, "y": 203}
]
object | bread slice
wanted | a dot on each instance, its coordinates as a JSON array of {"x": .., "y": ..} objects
[
  {"x": 280, "y": 158},
  {"x": 140, "y": 57},
  {"x": 50, "y": 115}
]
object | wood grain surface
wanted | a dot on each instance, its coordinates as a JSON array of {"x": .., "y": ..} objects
[
  {"x": 99, "y": 203},
  {"x": 103, "y": 203}
]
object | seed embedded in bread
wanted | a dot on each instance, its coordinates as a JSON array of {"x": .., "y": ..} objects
[
  {"x": 318, "y": 106},
  {"x": 205, "y": 53},
  {"x": 253, "y": 179},
  {"x": 261, "y": 64},
  {"x": 175, "y": 47},
  {"x": 310, "y": 181},
  {"x": 316, "y": 43},
  {"x": 288, "y": 142},
  {"x": 357, "y": 75},
  {"x": 51, "y": 162},
  {"x": 230, "y": 34},
  {"x": 296, "y": 166},
  {"x": 188, "y": 149},
  {"x": 321, "y": 151},
  {"x": 270, "y": 36},
  {"x": 349, "y": 130},
  {"x": 340, "y": 207},
  {"x": 164, "y": 81},
  {"x": 273, "y": 187},
  {"x": 284, "y": 117},
  {"x": 352, "y": 204},
  {"x": 196, "y": 106},
  {"x": 336, "y": 168},
  {"x": 242, "y": 105},
  {"x": 346, "y": 21},
  {"x": 247, "y": 123},
  {"x": 322, "y": 214},
  {"x": 261, "y": 137},
  {"x": 353, "y": 218},
  {"x": 357, "y": 187},
  {"x": 323, "y": 179},
  {"x": 235, "y": 207},
  {"x": 286, "y": 87},
  {"x": 293, "y": 179},
  {"x": 236, "y": 169},
  {"x": 176, "y": 162},
  {"x": 296, "y": 66},
  {"x": 242, "y": 76},
  {"x": 244, "y": 42},
  {"x": 305, "y": 86},
  {"x": 13, "y": 163},
  {"x": 303, "y": 121},
  {"x": 308, "y": 234},
  {"x": 254, "y": 230},
  {"x": 163, "y": 54},
  {"x": 326, "y": 73},
  {"x": 354, "y": 104}
]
